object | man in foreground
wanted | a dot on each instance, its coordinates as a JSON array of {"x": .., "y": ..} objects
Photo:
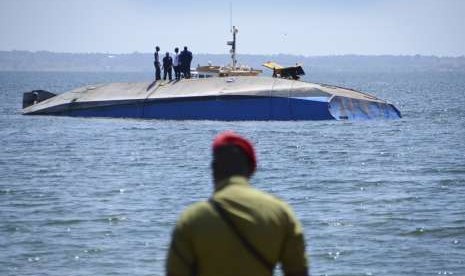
[{"x": 240, "y": 230}]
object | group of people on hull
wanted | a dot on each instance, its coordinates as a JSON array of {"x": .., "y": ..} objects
[{"x": 181, "y": 64}]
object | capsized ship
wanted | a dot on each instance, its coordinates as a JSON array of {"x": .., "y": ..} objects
[{"x": 217, "y": 93}]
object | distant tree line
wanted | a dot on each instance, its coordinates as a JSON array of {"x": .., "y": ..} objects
[{"x": 143, "y": 62}]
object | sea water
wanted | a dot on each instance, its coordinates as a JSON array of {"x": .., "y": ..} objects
[{"x": 90, "y": 196}]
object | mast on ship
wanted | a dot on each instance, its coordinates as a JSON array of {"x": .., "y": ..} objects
[
  {"x": 231, "y": 69},
  {"x": 232, "y": 43}
]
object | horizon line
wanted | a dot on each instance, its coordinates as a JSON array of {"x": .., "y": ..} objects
[{"x": 245, "y": 54}]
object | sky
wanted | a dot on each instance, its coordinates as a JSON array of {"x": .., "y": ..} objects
[{"x": 298, "y": 27}]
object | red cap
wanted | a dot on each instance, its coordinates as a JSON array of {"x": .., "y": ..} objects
[{"x": 231, "y": 138}]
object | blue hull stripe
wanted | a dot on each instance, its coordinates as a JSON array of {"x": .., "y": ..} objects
[{"x": 212, "y": 108}]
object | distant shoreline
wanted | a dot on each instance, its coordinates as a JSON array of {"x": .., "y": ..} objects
[
  {"x": 143, "y": 62},
  {"x": 245, "y": 54}
]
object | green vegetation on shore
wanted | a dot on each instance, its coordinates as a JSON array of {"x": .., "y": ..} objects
[{"x": 143, "y": 62}]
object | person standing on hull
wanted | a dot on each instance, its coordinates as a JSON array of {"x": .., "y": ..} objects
[
  {"x": 167, "y": 66},
  {"x": 186, "y": 60},
  {"x": 182, "y": 64},
  {"x": 156, "y": 63},
  {"x": 240, "y": 230},
  {"x": 176, "y": 64}
]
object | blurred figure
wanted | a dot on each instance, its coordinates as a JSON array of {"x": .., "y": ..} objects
[{"x": 240, "y": 230}]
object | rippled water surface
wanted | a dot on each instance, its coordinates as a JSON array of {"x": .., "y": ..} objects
[{"x": 100, "y": 196}]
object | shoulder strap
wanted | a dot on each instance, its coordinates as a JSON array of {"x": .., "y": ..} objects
[{"x": 223, "y": 214}]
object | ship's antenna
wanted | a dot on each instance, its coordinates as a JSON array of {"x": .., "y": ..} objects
[
  {"x": 235, "y": 30},
  {"x": 232, "y": 43},
  {"x": 233, "y": 47},
  {"x": 230, "y": 17}
]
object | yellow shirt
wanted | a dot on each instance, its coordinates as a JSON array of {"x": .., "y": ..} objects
[{"x": 203, "y": 244}]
